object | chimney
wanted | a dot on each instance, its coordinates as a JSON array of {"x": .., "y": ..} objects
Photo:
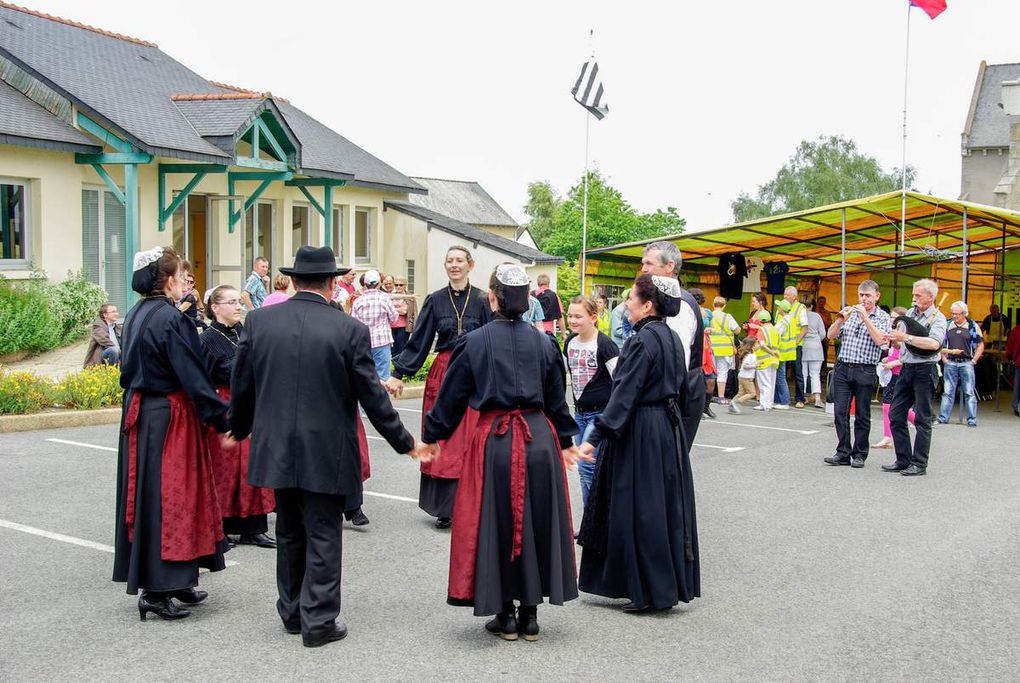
[{"x": 1007, "y": 192}]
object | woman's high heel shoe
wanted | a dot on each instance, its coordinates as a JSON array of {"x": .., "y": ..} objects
[
  {"x": 190, "y": 596},
  {"x": 164, "y": 608}
]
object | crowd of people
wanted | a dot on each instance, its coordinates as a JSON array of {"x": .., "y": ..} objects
[{"x": 263, "y": 410}]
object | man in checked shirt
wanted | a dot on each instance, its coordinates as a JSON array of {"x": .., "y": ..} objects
[
  {"x": 862, "y": 330},
  {"x": 375, "y": 309}
]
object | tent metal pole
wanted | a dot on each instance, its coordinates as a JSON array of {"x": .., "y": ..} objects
[
  {"x": 842, "y": 261},
  {"x": 1000, "y": 357},
  {"x": 964, "y": 250}
]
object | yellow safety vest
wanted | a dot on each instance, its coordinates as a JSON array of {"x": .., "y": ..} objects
[
  {"x": 604, "y": 322},
  {"x": 794, "y": 315},
  {"x": 720, "y": 338},
  {"x": 787, "y": 340},
  {"x": 765, "y": 360}
]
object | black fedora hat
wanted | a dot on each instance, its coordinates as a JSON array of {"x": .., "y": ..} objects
[{"x": 314, "y": 262}]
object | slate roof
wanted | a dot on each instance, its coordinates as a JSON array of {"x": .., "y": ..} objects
[
  {"x": 989, "y": 125},
  {"x": 472, "y": 234},
  {"x": 130, "y": 84},
  {"x": 22, "y": 121},
  {"x": 464, "y": 200},
  {"x": 218, "y": 117}
]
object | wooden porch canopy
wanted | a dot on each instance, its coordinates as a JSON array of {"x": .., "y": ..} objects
[{"x": 831, "y": 241}]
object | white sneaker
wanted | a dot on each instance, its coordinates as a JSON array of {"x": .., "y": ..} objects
[
  {"x": 781, "y": 406},
  {"x": 733, "y": 409},
  {"x": 761, "y": 408}
]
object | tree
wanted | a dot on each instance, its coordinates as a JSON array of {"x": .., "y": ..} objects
[
  {"x": 825, "y": 171},
  {"x": 611, "y": 220},
  {"x": 542, "y": 207}
]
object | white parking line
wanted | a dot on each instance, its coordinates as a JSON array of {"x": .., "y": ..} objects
[
  {"x": 55, "y": 536},
  {"x": 775, "y": 429},
  {"x": 410, "y": 410},
  {"x": 724, "y": 449},
  {"x": 390, "y": 497},
  {"x": 83, "y": 445}
]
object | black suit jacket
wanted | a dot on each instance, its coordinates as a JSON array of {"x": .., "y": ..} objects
[{"x": 301, "y": 368}]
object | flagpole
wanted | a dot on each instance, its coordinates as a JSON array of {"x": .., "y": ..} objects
[
  {"x": 584, "y": 214},
  {"x": 903, "y": 168}
]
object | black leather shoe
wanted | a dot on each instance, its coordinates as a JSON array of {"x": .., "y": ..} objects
[
  {"x": 292, "y": 630},
  {"x": 190, "y": 596},
  {"x": 503, "y": 624},
  {"x": 1016, "y": 411},
  {"x": 261, "y": 540},
  {"x": 914, "y": 471},
  {"x": 164, "y": 608},
  {"x": 895, "y": 467},
  {"x": 444, "y": 523},
  {"x": 708, "y": 412},
  {"x": 339, "y": 632},
  {"x": 631, "y": 607},
  {"x": 857, "y": 463},
  {"x": 359, "y": 518},
  {"x": 836, "y": 460},
  {"x": 527, "y": 622}
]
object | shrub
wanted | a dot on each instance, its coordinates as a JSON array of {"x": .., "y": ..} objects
[
  {"x": 37, "y": 316},
  {"x": 27, "y": 322},
  {"x": 424, "y": 371},
  {"x": 23, "y": 392},
  {"x": 94, "y": 387}
]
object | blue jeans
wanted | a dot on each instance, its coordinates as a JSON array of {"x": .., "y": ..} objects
[
  {"x": 110, "y": 356},
  {"x": 382, "y": 356},
  {"x": 961, "y": 373},
  {"x": 782, "y": 395},
  {"x": 585, "y": 470}
]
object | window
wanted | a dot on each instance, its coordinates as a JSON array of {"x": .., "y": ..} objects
[
  {"x": 103, "y": 229},
  {"x": 613, "y": 294},
  {"x": 300, "y": 227},
  {"x": 410, "y": 276},
  {"x": 362, "y": 235},
  {"x": 14, "y": 224},
  {"x": 339, "y": 235}
]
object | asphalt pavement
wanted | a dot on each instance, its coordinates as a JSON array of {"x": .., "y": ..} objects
[{"x": 809, "y": 572}]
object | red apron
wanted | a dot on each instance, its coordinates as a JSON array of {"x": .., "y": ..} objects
[
  {"x": 191, "y": 519},
  {"x": 455, "y": 448},
  {"x": 236, "y": 496},
  {"x": 366, "y": 466},
  {"x": 467, "y": 506}
]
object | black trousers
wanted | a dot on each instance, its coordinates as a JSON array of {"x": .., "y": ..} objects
[
  {"x": 853, "y": 382},
  {"x": 915, "y": 388},
  {"x": 798, "y": 374},
  {"x": 400, "y": 337},
  {"x": 308, "y": 557}
]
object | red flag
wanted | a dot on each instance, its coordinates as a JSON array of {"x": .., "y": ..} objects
[{"x": 932, "y": 8}]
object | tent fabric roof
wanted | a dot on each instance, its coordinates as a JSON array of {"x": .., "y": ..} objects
[{"x": 810, "y": 241}]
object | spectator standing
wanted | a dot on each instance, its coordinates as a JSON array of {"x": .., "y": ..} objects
[
  {"x": 281, "y": 283},
  {"x": 620, "y": 327},
  {"x": 721, "y": 328},
  {"x": 813, "y": 355},
  {"x": 345, "y": 292},
  {"x": 961, "y": 352},
  {"x": 862, "y": 330},
  {"x": 798, "y": 330},
  {"x": 104, "y": 337},
  {"x": 254, "y": 293},
  {"x": 552, "y": 321},
  {"x": 407, "y": 310},
  {"x": 922, "y": 343},
  {"x": 375, "y": 309},
  {"x": 995, "y": 327},
  {"x": 707, "y": 357},
  {"x": 605, "y": 315},
  {"x": 787, "y": 354},
  {"x": 188, "y": 304},
  {"x": 747, "y": 362},
  {"x": 1013, "y": 355},
  {"x": 822, "y": 309},
  {"x": 534, "y": 316},
  {"x": 766, "y": 349}
]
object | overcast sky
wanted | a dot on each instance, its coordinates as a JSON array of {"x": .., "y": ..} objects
[{"x": 707, "y": 99}]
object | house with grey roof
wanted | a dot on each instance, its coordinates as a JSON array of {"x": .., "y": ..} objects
[
  {"x": 985, "y": 143},
  {"x": 122, "y": 148}
]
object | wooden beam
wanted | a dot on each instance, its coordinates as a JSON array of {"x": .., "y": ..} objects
[
  {"x": 268, "y": 136},
  {"x": 113, "y": 158},
  {"x": 108, "y": 138},
  {"x": 117, "y": 192},
  {"x": 264, "y": 164},
  {"x": 315, "y": 182},
  {"x": 312, "y": 201}
]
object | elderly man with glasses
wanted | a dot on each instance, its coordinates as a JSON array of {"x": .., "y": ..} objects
[{"x": 961, "y": 351}]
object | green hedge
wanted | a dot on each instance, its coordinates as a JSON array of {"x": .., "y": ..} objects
[{"x": 37, "y": 316}]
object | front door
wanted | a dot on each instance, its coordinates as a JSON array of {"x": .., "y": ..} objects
[
  {"x": 102, "y": 237},
  {"x": 197, "y": 252}
]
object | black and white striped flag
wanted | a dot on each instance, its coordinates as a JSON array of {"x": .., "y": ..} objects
[{"x": 588, "y": 91}]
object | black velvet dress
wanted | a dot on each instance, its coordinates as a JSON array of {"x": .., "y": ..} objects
[
  {"x": 512, "y": 534},
  {"x": 438, "y": 322},
  {"x": 639, "y": 532},
  {"x": 162, "y": 355}
]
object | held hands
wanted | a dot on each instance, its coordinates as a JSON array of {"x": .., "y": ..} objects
[
  {"x": 424, "y": 452},
  {"x": 227, "y": 440},
  {"x": 573, "y": 454},
  {"x": 394, "y": 386}
]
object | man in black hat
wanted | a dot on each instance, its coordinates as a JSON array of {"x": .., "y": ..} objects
[{"x": 300, "y": 371}]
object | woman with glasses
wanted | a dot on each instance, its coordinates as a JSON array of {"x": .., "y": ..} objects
[
  {"x": 243, "y": 507},
  {"x": 188, "y": 304},
  {"x": 407, "y": 310}
]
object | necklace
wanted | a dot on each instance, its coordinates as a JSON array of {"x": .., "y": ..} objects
[
  {"x": 460, "y": 313},
  {"x": 231, "y": 341}
]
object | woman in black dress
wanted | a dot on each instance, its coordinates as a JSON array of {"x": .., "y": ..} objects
[
  {"x": 512, "y": 533},
  {"x": 245, "y": 508},
  {"x": 639, "y": 532},
  {"x": 168, "y": 521},
  {"x": 446, "y": 314}
]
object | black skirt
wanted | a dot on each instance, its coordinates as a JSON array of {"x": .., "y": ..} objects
[
  {"x": 139, "y": 563},
  {"x": 436, "y": 495},
  {"x": 545, "y": 567}
]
